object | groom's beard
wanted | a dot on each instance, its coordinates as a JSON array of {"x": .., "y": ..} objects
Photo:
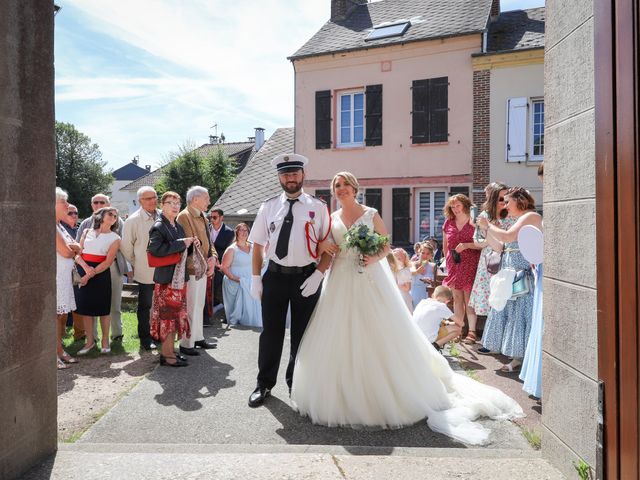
[{"x": 291, "y": 187}]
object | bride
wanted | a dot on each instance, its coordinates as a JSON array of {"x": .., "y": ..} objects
[{"x": 364, "y": 363}]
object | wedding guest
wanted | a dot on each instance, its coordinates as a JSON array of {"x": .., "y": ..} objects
[
  {"x": 531, "y": 372},
  {"x": 240, "y": 307},
  {"x": 437, "y": 251},
  {"x": 70, "y": 224},
  {"x": 403, "y": 275},
  {"x": 195, "y": 224},
  {"x": 423, "y": 272},
  {"x": 118, "y": 267},
  {"x": 494, "y": 210},
  {"x": 222, "y": 237},
  {"x": 438, "y": 324},
  {"x": 135, "y": 238},
  {"x": 462, "y": 254},
  {"x": 169, "y": 306},
  {"x": 507, "y": 331},
  {"x": 416, "y": 251},
  {"x": 100, "y": 246},
  {"x": 66, "y": 250}
]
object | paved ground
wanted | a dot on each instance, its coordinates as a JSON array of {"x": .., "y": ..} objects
[{"x": 206, "y": 403}]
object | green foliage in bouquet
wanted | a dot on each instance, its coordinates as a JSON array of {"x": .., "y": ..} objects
[{"x": 365, "y": 240}]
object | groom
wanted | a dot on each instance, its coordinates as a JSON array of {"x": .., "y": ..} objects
[{"x": 284, "y": 233}]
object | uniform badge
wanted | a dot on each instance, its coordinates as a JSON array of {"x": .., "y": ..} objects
[
  {"x": 272, "y": 227},
  {"x": 312, "y": 216}
]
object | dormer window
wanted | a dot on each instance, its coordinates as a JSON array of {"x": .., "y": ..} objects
[{"x": 389, "y": 30}]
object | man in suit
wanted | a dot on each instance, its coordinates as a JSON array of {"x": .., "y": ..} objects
[{"x": 222, "y": 236}]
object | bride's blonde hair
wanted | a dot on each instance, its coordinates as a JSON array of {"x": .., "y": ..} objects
[{"x": 349, "y": 179}]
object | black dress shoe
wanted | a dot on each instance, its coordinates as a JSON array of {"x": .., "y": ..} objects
[
  {"x": 205, "y": 345},
  {"x": 181, "y": 357},
  {"x": 172, "y": 362},
  {"x": 258, "y": 396},
  {"x": 189, "y": 351}
]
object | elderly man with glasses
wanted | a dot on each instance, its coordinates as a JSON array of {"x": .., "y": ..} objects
[
  {"x": 135, "y": 238},
  {"x": 118, "y": 269}
]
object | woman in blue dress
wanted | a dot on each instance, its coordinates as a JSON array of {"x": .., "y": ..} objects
[
  {"x": 240, "y": 307},
  {"x": 507, "y": 331}
]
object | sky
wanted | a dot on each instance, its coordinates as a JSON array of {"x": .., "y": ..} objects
[{"x": 145, "y": 77}]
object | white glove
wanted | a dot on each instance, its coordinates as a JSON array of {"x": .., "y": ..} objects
[
  {"x": 312, "y": 283},
  {"x": 256, "y": 286}
]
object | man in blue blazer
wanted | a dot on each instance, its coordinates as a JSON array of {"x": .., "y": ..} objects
[{"x": 222, "y": 236}]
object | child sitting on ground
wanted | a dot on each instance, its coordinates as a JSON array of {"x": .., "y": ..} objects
[{"x": 436, "y": 321}]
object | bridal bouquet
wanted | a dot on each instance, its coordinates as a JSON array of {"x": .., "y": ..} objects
[{"x": 365, "y": 241}]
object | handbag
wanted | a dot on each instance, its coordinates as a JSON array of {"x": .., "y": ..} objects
[
  {"x": 521, "y": 284},
  {"x": 76, "y": 278},
  {"x": 165, "y": 261},
  {"x": 493, "y": 261}
]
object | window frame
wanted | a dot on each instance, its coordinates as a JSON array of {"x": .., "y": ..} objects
[
  {"x": 531, "y": 117},
  {"x": 351, "y": 93}
]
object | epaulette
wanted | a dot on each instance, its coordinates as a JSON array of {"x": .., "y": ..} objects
[
  {"x": 318, "y": 198},
  {"x": 271, "y": 198}
]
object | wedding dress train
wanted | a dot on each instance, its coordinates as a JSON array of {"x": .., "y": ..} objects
[{"x": 364, "y": 363}]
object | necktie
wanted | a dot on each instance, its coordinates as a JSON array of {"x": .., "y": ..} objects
[{"x": 282, "y": 247}]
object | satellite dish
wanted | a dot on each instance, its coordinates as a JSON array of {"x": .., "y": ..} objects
[{"x": 530, "y": 241}]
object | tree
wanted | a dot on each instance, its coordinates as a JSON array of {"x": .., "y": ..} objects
[
  {"x": 220, "y": 172},
  {"x": 186, "y": 168},
  {"x": 80, "y": 169}
]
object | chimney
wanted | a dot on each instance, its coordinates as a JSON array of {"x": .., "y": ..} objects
[
  {"x": 147, "y": 168},
  {"x": 495, "y": 10},
  {"x": 259, "y": 137},
  {"x": 213, "y": 139},
  {"x": 340, "y": 9},
  {"x": 135, "y": 160}
]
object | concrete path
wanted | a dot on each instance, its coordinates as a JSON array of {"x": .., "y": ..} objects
[
  {"x": 206, "y": 403},
  {"x": 194, "y": 423}
]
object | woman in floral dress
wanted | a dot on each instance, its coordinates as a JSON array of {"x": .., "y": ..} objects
[
  {"x": 507, "y": 331},
  {"x": 494, "y": 210},
  {"x": 462, "y": 254}
]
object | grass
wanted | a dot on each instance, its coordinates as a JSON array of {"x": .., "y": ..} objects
[
  {"x": 583, "y": 469},
  {"x": 532, "y": 436},
  {"x": 455, "y": 353},
  {"x": 129, "y": 344}
]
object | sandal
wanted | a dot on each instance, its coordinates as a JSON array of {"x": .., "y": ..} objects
[
  {"x": 511, "y": 368},
  {"x": 66, "y": 358},
  {"x": 62, "y": 365},
  {"x": 86, "y": 349},
  {"x": 471, "y": 338}
]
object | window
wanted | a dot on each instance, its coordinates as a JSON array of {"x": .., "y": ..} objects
[
  {"x": 430, "y": 114},
  {"x": 373, "y": 198},
  {"x": 385, "y": 31},
  {"x": 359, "y": 118},
  {"x": 537, "y": 133},
  {"x": 351, "y": 119},
  {"x": 525, "y": 130},
  {"x": 324, "y": 195},
  {"x": 401, "y": 205},
  {"x": 429, "y": 205}
]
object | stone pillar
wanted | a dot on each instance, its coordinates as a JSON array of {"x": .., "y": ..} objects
[
  {"x": 570, "y": 367},
  {"x": 28, "y": 396},
  {"x": 481, "y": 150}
]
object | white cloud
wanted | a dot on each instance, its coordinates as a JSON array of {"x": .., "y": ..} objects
[{"x": 216, "y": 61}]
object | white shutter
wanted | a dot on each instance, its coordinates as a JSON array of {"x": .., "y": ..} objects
[{"x": 517, "y": 129}]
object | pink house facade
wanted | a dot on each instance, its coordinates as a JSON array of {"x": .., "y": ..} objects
[{"x": 396, "y": 110}]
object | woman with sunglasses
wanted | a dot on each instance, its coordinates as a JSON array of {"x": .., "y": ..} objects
[
  {"x": 495, "y": 212},
  {"x": 100, "y": 245}
]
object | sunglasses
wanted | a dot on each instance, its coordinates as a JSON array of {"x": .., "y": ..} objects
[
  {"x": 214, "y": 217},
  {"x": 501, "y": 199},
  {"x": 74, "y": 214},
  {"x": 111, "y": 214},
  {"x": 99, "y": 202}
]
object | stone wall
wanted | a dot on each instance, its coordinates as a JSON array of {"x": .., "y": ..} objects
[
  {"x": 570, "y": 339},
  {"x": 481, "y": 151},
  {"x": 27, "y": 278}
]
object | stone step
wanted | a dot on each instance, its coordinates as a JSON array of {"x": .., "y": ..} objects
[{"x": 221, "y": 462}]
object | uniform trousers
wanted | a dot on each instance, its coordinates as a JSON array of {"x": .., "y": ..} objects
[
  {"x": 196, "y": 295},
  {"x": 279, "y": 290}
]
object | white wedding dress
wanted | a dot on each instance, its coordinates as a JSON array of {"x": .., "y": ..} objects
[{"x": 363, "y": 362}]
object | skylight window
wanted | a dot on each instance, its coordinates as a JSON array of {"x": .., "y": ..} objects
[{"x": 385, "y": 31}]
